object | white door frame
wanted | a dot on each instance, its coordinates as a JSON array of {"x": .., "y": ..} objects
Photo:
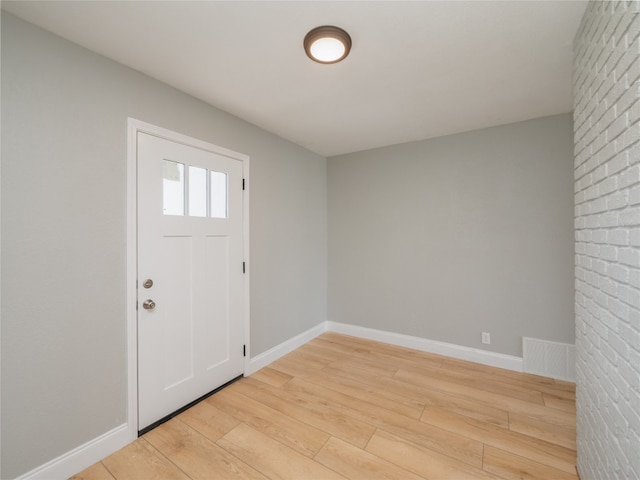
[{"x": 133, "y": 127}]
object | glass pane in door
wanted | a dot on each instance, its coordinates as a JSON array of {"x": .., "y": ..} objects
[
  {"x": 172, "y": 188},
  {"x": 197, "y": 192},
  {"x": 219, "y": 195}
]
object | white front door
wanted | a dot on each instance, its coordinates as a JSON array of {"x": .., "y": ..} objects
[{"x": 190, "y": 268}]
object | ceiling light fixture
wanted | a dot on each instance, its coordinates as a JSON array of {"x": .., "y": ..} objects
[{"x": 327, "y": 44}]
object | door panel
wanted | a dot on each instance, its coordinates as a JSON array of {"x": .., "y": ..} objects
[
  {"x": 217, "y": 283},
  {"x": 177, "y": 357},
  {"x": 190, "y": 243}
]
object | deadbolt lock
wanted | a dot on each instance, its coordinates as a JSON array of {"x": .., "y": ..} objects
[{"x": 148, "y": 283}]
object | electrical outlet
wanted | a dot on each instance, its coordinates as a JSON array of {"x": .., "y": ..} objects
[{"x": 486, "y": 338}]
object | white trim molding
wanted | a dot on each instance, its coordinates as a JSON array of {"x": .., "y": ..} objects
[
  {"x": 273, "y": 354},
  {"x": 81, "y": 457},
  {"x": 483, "y": 357}
]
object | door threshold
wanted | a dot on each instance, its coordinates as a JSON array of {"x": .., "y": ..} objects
[{"x": 186, "y": 407}]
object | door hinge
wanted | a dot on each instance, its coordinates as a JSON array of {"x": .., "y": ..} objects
[
  {"x": 243, "y": 184},
  {"x": 244, "y": 350},
  {"x": 244, "y": 267}
]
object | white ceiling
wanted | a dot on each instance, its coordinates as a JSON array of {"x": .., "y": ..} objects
[{"x": 417, "y": 69}]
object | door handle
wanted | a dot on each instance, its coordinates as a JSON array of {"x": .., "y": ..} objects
[{"x": 149, "y": 304}]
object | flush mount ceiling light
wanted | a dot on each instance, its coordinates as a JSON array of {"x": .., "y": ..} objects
[{"x": 327, "y": 44}]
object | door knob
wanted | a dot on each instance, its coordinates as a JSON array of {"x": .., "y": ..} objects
[{"x": 149, "y": 304}]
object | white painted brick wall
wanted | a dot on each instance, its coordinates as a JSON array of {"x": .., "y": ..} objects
[{"x": 607, "y": 223}]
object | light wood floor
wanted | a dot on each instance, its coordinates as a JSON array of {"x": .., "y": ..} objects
[{"x": 341, "y": 407}]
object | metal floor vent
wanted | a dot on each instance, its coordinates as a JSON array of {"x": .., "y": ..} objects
[{"x": 550, "y": 359}]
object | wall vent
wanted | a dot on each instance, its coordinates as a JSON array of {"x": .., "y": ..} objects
[{"x": 549, "y": 359}]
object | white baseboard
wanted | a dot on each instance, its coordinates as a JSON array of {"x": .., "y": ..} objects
[
  {"x": 483, "y": 357},
  {"x": 273, "y": 354},
  {"x": 83, "y": 456}
]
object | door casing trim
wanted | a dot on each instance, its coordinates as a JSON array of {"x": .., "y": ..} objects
[{"x": 133, "y": 127}]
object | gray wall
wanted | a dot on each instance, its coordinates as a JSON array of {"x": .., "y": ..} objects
[
  {"x": 446, "y": 238},
  {"x": 64, "y": 118},
  {"x": 607, "y": 211}
]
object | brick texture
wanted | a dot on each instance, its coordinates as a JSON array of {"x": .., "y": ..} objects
[{"x": 607, "y": 229}]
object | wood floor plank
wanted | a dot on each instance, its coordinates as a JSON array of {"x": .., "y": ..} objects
[
  {"x": 565, "y": 384},
  {"x": 140, "y": 460},
  {"x": 270, "y": 457},
  {"x": 95, "y": 472},
  {"x": 477, "y": 382},
  {"x": 318, "y": 359},
  {"x": 328, "y": 354},
  {"x": 366, "y": 366},
  {"x": 272, "y": 376},
  {"x": 438, "y": 439},
  {"x": 503, "y": 373},
  {"x": 405, "y": 360},
  {"x": 544, "y": 431},
  {"x": 196, "y": 455},
  {"x": 407, "y": 380},
  {"x": 336, "y": 347},
  {"x": 516, "y": 379},
  {"x": 296, "y": 365},
  {"x": 353, "y": 462},
  {"x": 386, "y": 348},
  {"x": 208, "y": 420},
  {"x": 514, "y": 467},
  {"x": 306, "y": 358},
  {"x": 542, "y": 384},
  {"x": 385, "y": 398},
  {"x": 321, "y": 416},
  {"x": 459, "y": 399},
  {"x": 519, "y": 444},
  {"x": 422, "y": 461},
  {"x": 441, "y": 440},
  {"x": 468, "y": 407},
  {"x": 416, "y": 356},
  {"x": 560, "y": 403},
  {"x": 289, "y": 431},
  {"x": 353, "y": 406}
]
